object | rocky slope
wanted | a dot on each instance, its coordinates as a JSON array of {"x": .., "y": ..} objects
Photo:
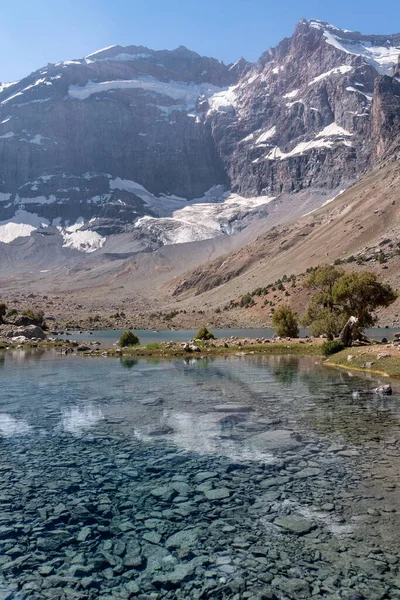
[
  {"x": 359, "y": 230},
  {"x": 130, "y": 149}
]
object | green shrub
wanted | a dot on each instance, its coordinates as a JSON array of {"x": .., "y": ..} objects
[
  {"x": 332, "y": 347},
  {"x": 204, "y": 334},
  {"x": 246, "y": 301},
  {"x": 285, "y": 322},
  {"x": 128, "y": 338}
]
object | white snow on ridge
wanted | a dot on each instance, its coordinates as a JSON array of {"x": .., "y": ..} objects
[
  {"x": 84, "y": 241},
  {"x": 336, "y": 71},
  {"x": 292, "y": 94},
  {"x": 323, "y": 139},
  {"x": 187, "y": 93},
  {"x": 266, "y": 135},
  {"x": 382, "y": 58},
  {"x": 100, "y": 51},
  {"x": 369, "y": 97},
  {"x": 124, "y": 56},
  {"x": 4, "y": 86},
  {"x": 333, "y": 130},
  {"x": 223, "y": 100},
  {"x": 180, "y": 220},
  {"x": 201, "y": 220},
  {"x": 23, "y": 224}
]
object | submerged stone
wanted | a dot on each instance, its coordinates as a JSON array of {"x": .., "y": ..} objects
[
  {"x": 276, "y": 439},
  {"x": 294, "y": 524}
]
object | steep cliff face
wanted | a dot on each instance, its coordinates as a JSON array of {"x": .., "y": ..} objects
[
  {"x": 76, "y": 136},
  {"x": 301, "y": 116},
  {"x": 386, "y": 113},
  {"x": 169, "y": 147}
]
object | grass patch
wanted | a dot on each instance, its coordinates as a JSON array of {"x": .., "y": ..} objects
[{"x": 367, "y": 360}]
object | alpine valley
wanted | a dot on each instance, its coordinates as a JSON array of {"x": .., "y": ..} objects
[{"x": 159, "y": 181}]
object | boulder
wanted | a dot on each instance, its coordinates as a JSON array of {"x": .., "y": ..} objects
[
  {"x": 83, "y": 348},
  {"x": 29, "y": 332},
  {"x": 23, "y": 321},
  {"x": 384, "y": 390}
]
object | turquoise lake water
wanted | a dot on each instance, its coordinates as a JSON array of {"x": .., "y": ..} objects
[
  {"x": 107, "y": 337},
  {"x": 229, "y": 478}
]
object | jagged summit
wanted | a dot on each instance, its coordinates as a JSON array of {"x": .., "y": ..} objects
[
  {"x": 381, "y": 51},
  {"x": 132, "y": 52}
]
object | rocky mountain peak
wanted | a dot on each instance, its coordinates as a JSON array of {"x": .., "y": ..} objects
[{"x": 149, "y": 143}]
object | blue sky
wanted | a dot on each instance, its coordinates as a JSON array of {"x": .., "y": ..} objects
[{"x": 35, "y": 32}]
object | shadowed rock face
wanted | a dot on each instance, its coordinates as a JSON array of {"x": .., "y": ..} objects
[
  {"x": 99, "y": 138},
  {"x": 70, "y": 128}
]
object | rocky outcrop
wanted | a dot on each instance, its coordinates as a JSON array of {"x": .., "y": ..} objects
[
  {"x": 28, "y": 332},
  {"x": 386, "y": 113}
]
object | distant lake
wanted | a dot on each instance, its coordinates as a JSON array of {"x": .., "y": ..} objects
[{"x": 107, "y": 337}]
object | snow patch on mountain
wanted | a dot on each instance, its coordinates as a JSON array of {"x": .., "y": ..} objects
[
  {"x": 223, "y": 100},
  {"x": 266, "y": 135},
  {"x": 83, "y": 240},
  {"x": 333, "y": 130},
  {"x": 23, "y": 224},
  {"x": 202, "y": 220},
  {"x": 382, "y": 58},
  {"x": 369, "y": 97},
  {"x": 187, "y": 93},
  {"x": 323, "y": 139},
  {"x": 292, "y": 94},
  {"x": 93, "y": 54},
  {"x": 336, "y": 71},
  {"x": 4, "y": 86},
  {"x": 122, "y": 57}
]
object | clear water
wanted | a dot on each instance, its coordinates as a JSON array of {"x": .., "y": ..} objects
[
  {"x": 235, "y": 477},
  {"x": 107, "y": 337}
]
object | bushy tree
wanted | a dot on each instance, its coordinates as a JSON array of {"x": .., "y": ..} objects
[
  {"x": 204, "y": 334},
  {"x": 285, "y": 322},
  {"x": 128, "y": 338},
  {"x": 339, "y": 296},
  {"x": 360, "y": 294}
]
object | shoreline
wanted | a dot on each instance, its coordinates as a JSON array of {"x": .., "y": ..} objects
[{"x": 377, "y": 359}]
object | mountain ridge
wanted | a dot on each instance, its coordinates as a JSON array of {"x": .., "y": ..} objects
[{"x": 114, "y": 156}]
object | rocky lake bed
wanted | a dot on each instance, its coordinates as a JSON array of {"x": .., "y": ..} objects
[{"x": 238, "y": 477}]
